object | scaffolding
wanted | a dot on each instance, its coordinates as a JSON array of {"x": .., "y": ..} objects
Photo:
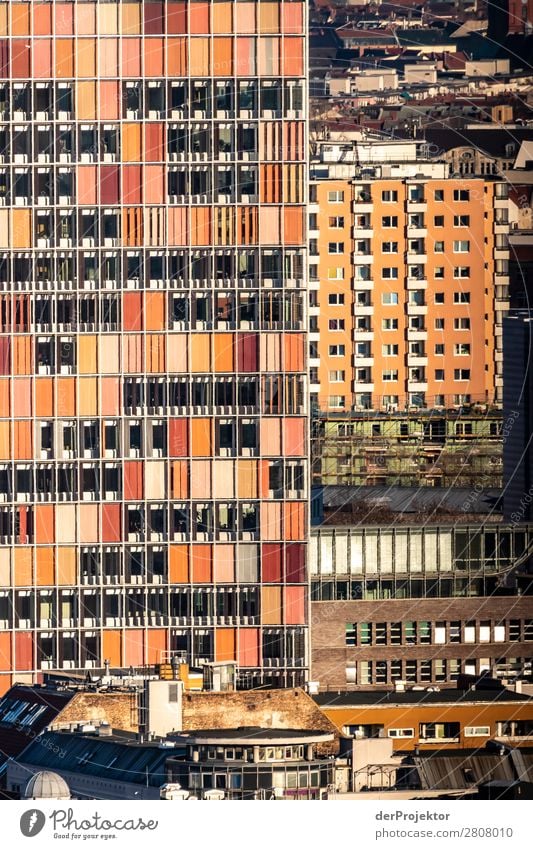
[{"x": 448, "y": 447}]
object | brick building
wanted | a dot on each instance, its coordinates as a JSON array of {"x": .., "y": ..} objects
[{"x": 420, "y": 604}]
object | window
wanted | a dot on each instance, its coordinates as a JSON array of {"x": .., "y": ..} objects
[
  {"x": 336, "y": 350},
  {"x": 380, "y": 630},
  {"x": 400, "y": 732},
  {"x": 439, "y": 272},
  {"x": 461, "y": 271},
  {"x": 389, "y": 350},
  {"x": 389, "y": 274},
  {"x": 335, "y": 273},
  {"x": 439, "y": 350},
  {"x": 439, "y": 297},
  {"x": 461, "y": 297},
  {"x": 389, "y": 221},
  {"x": 461, "y": 194},
  {"x": 389, "y": 298},
  {"x": 462, "y": 349},
  {"x": 461, "y": 324},
  {"x": 365, "y": 631},
  {"x": 336, "y": 324},
  {"x": 438, "y": 220},
  {"x": 389, "y": 324},
  {"x": 439, "y": 195},
  {"x": 389, "y": 376},
  {"x": 351, "y": 634},
  {"x": 335, "y": 197},
  {"x": 336, "y": 299},
  {"x": 461, "y": 247},
  {"x": 389, "y": 196},
  {"x": 336, "y": 376},
  {"x": 336, "y": 222},
  {"x": 461, "y": 374},
  {"x": 439, "y": 324},
  {"x": 389, "y": 247},
  {"x": 336, "y": 247},
  {"x": 439, "y": 247},
  {"x": 439, "y": 730},
  {"x": 336, "y": 401},
  {"x": 461, "y": 221},
  {"x": 439, "y": 374}
]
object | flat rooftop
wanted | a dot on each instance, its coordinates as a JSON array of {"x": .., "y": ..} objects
[{"x": 382, "y": 698}]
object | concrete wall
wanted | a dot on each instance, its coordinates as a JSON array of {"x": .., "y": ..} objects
[{"x": 117, "y": 709}]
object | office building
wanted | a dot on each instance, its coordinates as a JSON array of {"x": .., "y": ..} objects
[
  {"x": 409, "y": 280},
  {"x": 153, "y": 436},
  {"x": 420, "y": 604}
]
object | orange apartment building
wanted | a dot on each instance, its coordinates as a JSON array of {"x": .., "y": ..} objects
[{"x": 409, "y": 280}]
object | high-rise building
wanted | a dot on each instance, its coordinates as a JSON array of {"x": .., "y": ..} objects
[
  {"x": 409, "y": 280},
  {"x": 518, "y": 417},
  {"x": 153, "y": 436}
]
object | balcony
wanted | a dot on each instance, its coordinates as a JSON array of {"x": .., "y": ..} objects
[{"x": 360, "y": 258}]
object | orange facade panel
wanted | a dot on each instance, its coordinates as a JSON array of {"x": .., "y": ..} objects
[
  {"x": 86, "y": 58},
  {"x": 294, "y": 605},
  {"x": 223, "y": 352},
  {"x": 64, "y": 52},
  {"x": 134, "y": 647},
  {"x": 271, "y": 605},
  {"x": 23, "y": 440},
  {"x": 199, "y": 56},
  {"x": 201, "y": 483},
  {"x": 86, "y": 100},
  {"x": 44, "y": 523},
  {"x": 44, "y": 567},
  {"x": 133, "y": 480},
  {"x": 200, "y": 347},
  {"x": 201, "y": 445},
  {"x": 294, "y": 437},
  {"x": 5, "y": 652},
  {"x": 202, "y": 565},
  {"x": 154, "y": 57},
  {"x": 22, "y": 396},
  {"x": 248, "y": 641},
  {"x": 156, "y": 645},
  {"x": 111, "y": 522},
  {"x": 179, "y": 479},
  {"x": 225, "y": 644},
  {"x": 112, "y": 647},
  {"x": 23, "y": 660},
  {"x": 66, "y": 396},
  {"x": 5, "y": 440},
  {"x": 131, "y": 57},
  {"x": 178, "y": 440},
  {"x": 66, "y": 566},
  {"x": 87, "y": 396},
  {"x": 179, "y": 564},
  {"x": 224, "y": 564},
  {"x": 155, "y": 310},
  {"x": 22, "y": 567},
  {"x": 44, "y": 397}
]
